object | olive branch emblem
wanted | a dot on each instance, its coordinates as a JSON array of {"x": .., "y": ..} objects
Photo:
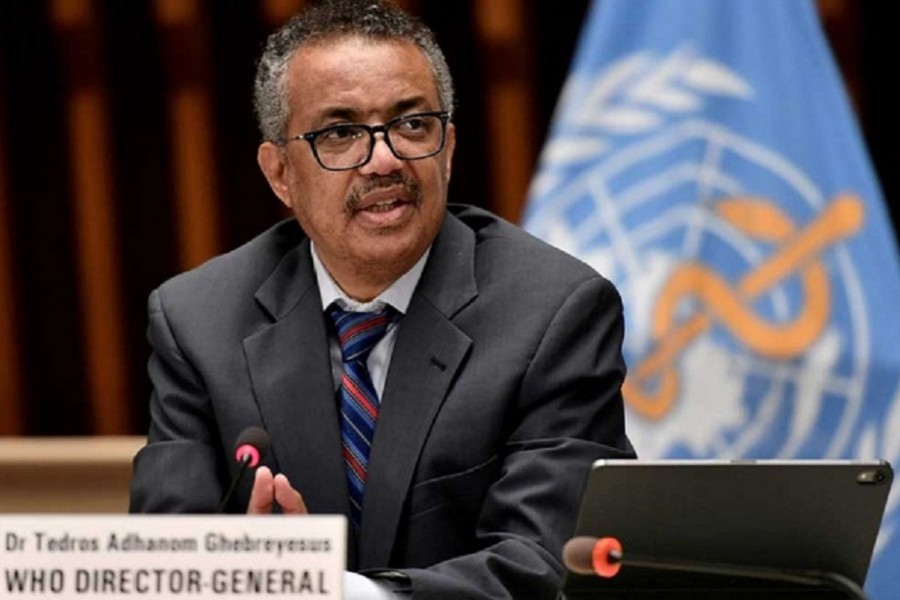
[{"x": 635, "y": 95}]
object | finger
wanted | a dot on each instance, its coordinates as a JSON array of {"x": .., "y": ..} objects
[
  {"x": 262, "y": 496},
  {"x": 288, "y": 498}
]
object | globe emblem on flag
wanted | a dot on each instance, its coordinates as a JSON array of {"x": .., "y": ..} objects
[{"x": 746, "y": 330}]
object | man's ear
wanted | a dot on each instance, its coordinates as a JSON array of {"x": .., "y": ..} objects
[
  {"x": 449, "y": 147},
  {"x": 272, "y": 162}
]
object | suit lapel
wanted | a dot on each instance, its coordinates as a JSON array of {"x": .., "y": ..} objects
[
  {"x": 428, "y": 352},
  {"x": 291, "y": 374}
]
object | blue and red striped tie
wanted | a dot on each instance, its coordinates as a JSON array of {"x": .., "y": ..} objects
[{"x": 357, "y": 333}]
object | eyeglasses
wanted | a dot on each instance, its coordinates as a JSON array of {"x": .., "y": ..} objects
[{"x": 350, "y": 145}]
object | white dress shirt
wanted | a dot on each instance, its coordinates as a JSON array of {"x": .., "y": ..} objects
[{"x": 398, "y": 295}]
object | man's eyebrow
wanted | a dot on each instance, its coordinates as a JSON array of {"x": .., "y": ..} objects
[
  {"x": 346, "y": 113},
  {"x": 408, "y": 104},
  {"x": 339, "y": 112}
]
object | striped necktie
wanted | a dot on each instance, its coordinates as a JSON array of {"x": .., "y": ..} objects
[{"x": 357, "y": 333}]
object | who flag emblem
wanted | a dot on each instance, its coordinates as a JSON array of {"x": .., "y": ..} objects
[{"x": 704, "y": 157}]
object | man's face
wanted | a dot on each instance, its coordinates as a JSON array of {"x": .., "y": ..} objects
[{"x": 371, "y": 223}]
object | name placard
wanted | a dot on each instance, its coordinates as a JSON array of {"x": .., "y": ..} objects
[{"x": 166, "y": 556}]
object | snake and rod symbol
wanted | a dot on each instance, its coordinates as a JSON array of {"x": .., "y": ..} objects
[{"x": 654, "y": 387}]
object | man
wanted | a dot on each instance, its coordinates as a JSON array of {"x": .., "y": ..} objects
[{"x": 493, "y": 388}]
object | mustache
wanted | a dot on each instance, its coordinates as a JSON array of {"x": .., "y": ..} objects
[{"x": 410, "y": 186}]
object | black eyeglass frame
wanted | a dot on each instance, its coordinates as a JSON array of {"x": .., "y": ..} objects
[{"x": 311, "y": 136}]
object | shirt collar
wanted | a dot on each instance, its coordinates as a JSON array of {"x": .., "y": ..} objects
[{"x": 397, "y": 295}]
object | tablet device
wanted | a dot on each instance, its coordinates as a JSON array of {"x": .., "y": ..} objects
[{"x": 785, "y": 515}]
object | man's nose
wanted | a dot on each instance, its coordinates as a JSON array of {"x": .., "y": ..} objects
[{"x": 383, "y": 160}]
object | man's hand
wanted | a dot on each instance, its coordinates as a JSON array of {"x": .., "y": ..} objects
[{"x": 269, "y": 490}]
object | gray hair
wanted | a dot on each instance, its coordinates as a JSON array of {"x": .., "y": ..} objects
[{"x": 376, "y": 19}]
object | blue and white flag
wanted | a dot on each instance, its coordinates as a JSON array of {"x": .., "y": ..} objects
[{"x": 704, "y": 157}]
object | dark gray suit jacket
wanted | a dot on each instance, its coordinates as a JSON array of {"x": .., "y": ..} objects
[{"x": 503, "y": 387}]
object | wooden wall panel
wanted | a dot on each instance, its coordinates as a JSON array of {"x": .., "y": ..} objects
[
  {"x": 87, "y": 108},
  {"x": 277, "y": 12},
  {"x": 185, "y": 38},
  {"x": 11, "y": 420},
  {"x": 501, "y": 27},
  {"x": 47, "y": 291}
]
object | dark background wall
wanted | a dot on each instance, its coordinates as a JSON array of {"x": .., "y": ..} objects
[{"x": 127, "y": 154}]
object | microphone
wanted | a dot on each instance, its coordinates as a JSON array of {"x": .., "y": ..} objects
[
  {"x": 593, "y": 556},
  {"x": 251, "y": 445},
  {"x": 604, "y": 557}
]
